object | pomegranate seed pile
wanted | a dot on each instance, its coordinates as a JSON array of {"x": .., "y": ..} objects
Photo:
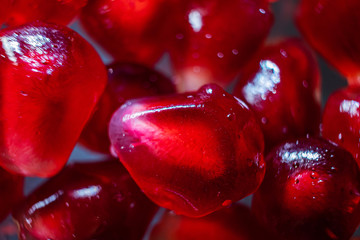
[{"x": 203, "y": 103}]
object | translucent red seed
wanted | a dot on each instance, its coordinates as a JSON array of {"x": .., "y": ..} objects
[
  {"x": 126, "y": 81},
  {"x": 341, "y": 118},
  {"x": 232, "y": 223},
  {"x": 86, "y": 201},
  {"x": 192, "y": 153},
  {"x": 4, "y": 10},
  {"x": 330, "y": 28},
  {"x": 212, "y": 40},
  {"x": 11, "y": 192},
  {"x": 282, "y": 86},
  {"x": 311, "y": 190},
  {"x": 131, "y": 31},
  {"x": 51, "y": 11},
  {"x": 51, "y": 79}
]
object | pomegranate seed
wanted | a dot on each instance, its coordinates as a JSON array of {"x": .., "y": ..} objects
[
  {"x": 51, "y": 11},
  {"x": 192, "y": 153},
  {"x": 330, "y": 28},
  {"x": 213, "y": 39},
  {"x": 311, "y": 190},
  {"x": 86, "y": 201},
  {"x": 51, "y": 79},
  {"x": 282, "y": 86},
  {"x": 341, "y": 118}
]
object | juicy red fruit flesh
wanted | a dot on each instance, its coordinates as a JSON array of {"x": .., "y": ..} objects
[
  {"x": 203, "y": 149},
  {"x": 11, "y": 192},
  {"x": 51, "y": 11},
  {"x": 311, "y": 190},
  {"x": 86, "y": 201},
  {"x": 212, "y": 40},
  {"x": 233, "y": 223},
  {"x": 50, "y": 82},
  {"x": 130, "y": 31},
  {"x": 126, "y": 81},
  {"x": 341, "y": 120},
  {"x": 282, "y": 86},
  {"x": 4, "y": 10},
  {"x": 331, "y": 28}
]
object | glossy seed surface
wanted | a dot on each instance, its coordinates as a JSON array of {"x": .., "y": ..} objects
[
  {"x": 192, "y": 153},
  {"x": 51, "y": 80},
  {"x": 282, "y": 86},
  {"x": 52, "y": 11},
  {"x": 130, "y": 31},
  {"x": 212, "y": 40},
  {"x": 341, "y": 119},
  {"x": 86, "y": 201},
  {"x": 232, "y": 223},
  {"x": 329, "y": 27},
  {"x": 311, "y": 190}
]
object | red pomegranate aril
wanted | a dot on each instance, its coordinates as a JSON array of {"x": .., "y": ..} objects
[
  {"x": 341, "y": 120},
  {"x": 4, "y": 10},
  {"x": 86, "y": 201},
  {"x": 51, "y": 79},
  {"x": 233, "y": 223},
  {"x": 311, "y": 190},
  {"x": 130, "y": 31},
  {"x": 213, "y": 39},
  {"x": 11, "y": 192},
  {"x": 192, "y": 153},
  {"x": 282, "y": 86},
  {"x": 126, "y": 81},
  {"x": 50, "y": 11},
  {"x": 331, "y": 29}
]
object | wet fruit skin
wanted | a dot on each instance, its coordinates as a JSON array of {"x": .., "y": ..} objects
[
  {"x": 51, "y": 79},
  {"x": 11, "y": 192},
  {"x": 51, "y": 11},
  {"x": 233, "y": 223},
  {"x": 282, "y": 86},
  {"x": 329, "y": 28},
  {"x": 86, "y": 201},
  {"x": 212, "y": 40},
  {"x": 203, "y": 149},
  {"x": 341, "y": 118},
  {"x": 130, "y": 31},
  {"x": 126, "y": 81},
  {"x": 311, "y": 190}
]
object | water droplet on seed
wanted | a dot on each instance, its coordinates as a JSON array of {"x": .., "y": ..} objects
[
  {"x": 264, "y": 120},
  {"x": 231, "y": 116},
  {"x": 295, "y": 164},
  {"x": 340, "y": 137},
  {"x": 24, "y": 93},
  {"x": 314, "y": 175}
]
